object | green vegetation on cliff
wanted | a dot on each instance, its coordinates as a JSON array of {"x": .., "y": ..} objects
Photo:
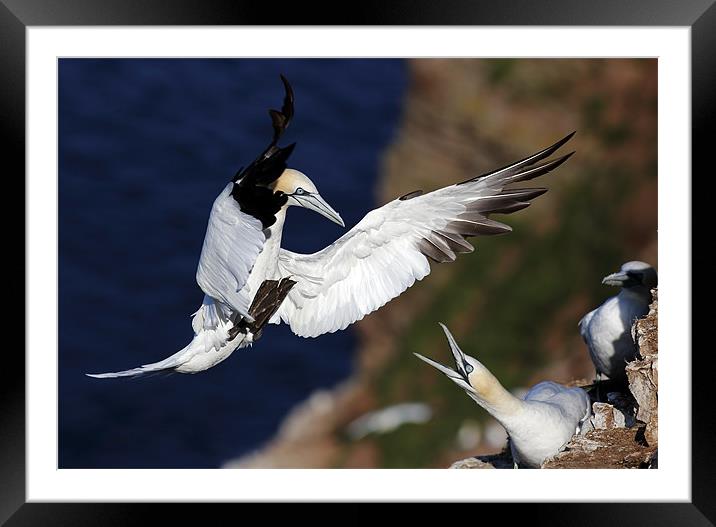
[{"x": 516, "y": 301}]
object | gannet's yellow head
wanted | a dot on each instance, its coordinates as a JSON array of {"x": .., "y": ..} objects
[
  {"x": 473, "y": 377},
  {"x": 302, "y": 192}
]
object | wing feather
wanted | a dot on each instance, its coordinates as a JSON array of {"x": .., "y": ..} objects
[
  {"x": 573, "y": 403},
  {"x": 390, "y": 248},
  {"x": 232, "y": 243}
]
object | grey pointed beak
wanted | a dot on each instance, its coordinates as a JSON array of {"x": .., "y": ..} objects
[
  {"x": 444, "y": 369},
  {"x": 316, "y": 203},
  {"x": 619, "y": 279},
  {"x": 456, "y": 351},
  {"x": 459, "y": 377},
  {"x": 449, "y": 372}
]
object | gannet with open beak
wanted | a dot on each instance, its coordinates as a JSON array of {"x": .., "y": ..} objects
[
  {"x": 378, "y": 259},
  {"x": 538, "y": 425},
  {"x": 607, "y": 329}
]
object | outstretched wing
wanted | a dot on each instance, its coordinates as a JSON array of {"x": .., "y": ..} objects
[
  {"x": 235, "y": 233},
  {"x": 388, "y": 250}
]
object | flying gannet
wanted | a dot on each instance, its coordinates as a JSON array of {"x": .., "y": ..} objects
[
  {"x": 539, "y": 424},
  {"x": 249, "y": 280},
  {"x": 607, "y": 329}
]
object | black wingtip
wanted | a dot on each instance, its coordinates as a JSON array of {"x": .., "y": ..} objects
[
  {"x": 252, "y": 190},
  {"x": 564, "y": 158},
  {"x": 565, "y": 139},
  {"x": 552, "y": 149},
  {"x": 280, "y": 119},
  {"x": 286, "y": 84},
  {"x": 508, "y": 171},
  {"x": 544, "y": 168},
  {"x": 287, "y": 150},
  {"x": 288, "y": 100}
]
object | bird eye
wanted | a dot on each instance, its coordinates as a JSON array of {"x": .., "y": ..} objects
[
  {"x": 468, "y": 368},
  {"x": 300, "y": 191}
]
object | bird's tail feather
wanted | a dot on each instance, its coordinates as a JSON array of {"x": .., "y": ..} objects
[
  {"x": 213, "y": 332},
  {"x": 169, "y": 363}
]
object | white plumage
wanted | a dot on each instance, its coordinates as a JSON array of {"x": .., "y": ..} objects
[
  {"x": 378, "y": 259},
  {"x": 538, "y": 425},
  {"x": 209, "y": 347},
  {"x": 373, "y": 263},
  {"x": 388, "y": 250},
  {"x": 551, "y": 415},
  {"x": 232, "y": 243},
  {"x": 607, "y": 329}
]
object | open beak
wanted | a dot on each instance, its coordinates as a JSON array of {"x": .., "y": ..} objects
[
  {"x": 450, "y": 373},
  {"x": 619, "y": 279},
  {"x": 455, "y": 376},
  {"x": 316, "y": 203},
  {"x": 459, "y": 377},
  {"x": 456, "y": 351}
]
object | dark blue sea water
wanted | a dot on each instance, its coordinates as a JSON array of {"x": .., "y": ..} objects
[{"x": 145, "y": 147}]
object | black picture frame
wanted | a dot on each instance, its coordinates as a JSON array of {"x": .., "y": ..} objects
[{"x": 17, "y": 15}]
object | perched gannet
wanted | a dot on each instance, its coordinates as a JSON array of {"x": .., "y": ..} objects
[
  {"x": 607, "y": 329},
  {"x": 242, "y": 261},
  {"x": 538, "y": 425}
]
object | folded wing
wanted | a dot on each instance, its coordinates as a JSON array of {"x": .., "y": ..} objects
[
  {"x": 573, "y": 403},
  {"x": 232, "y": 243},
  {"x": 388, "y": 250}
]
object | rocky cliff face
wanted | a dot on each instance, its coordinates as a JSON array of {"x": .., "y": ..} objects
[
  {"x": 515, "y": 302},
  {"x": 643, "y": 374},
  {"x": 625, "y": 434}
]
